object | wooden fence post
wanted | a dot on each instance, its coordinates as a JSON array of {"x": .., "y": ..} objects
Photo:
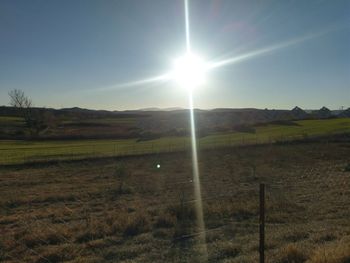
[{"x": 262, "y": 224}]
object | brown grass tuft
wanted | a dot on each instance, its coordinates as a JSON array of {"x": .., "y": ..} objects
[
  {"x": 292, "y": 254},
  {"x": 224, "y": 250},
  {"x": 136, "y": 225},
  {"x": 334, "y": 253},
  {"x": 165, "y": 220}
]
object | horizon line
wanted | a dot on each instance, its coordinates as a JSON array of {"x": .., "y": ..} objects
[{"x": 175, "y": 108}]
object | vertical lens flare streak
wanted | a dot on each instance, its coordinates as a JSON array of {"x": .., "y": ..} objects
[
  {"x": 187, "y": 25},
  {"x": 196, "y": 180}
]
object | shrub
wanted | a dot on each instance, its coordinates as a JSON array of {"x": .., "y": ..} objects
[
  {"x": 92, "y": 232},
  {"x": 162, "y": 233},
  {"x": 245, "y": 128},
  {"x": 285, "y": 123},
  {"x": 148, "y": 136},
  {"x": 291, "y": 254},
  {"x": 335, "y": 253},
  {"x": 33, "y": 239},
  {"x": 347, "y": 168},
  {"x": 121, "y": 174},
  {"x": 324, "y": 237},
  {"x": 224, "y": 250},
  {"x": 57, "y": 254},
  {"x": 182, "y": 212},
  {"x": 294, "y": 236},
  {"x": 2, "y": 251},
  {"x": 165, "y": 220},
  {"x": 136, "y": 225},
  {"x": 185, "y": 216}
]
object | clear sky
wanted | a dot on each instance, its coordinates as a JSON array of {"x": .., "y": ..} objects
[{"x": 68, "y": 53}]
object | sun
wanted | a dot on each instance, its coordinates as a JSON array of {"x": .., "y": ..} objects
[{"x": 189, "y": 71}]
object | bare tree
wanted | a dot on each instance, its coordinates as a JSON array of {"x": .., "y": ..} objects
[
  {"x": 19, "y": 99},
  {"x": 34, "y": 119},
  {"x": 23, "y": 103}
]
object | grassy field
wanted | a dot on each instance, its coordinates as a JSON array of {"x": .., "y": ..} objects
[
  {"x": 127, "y": 210},
  {"x": 11, "y": 121},
  {"x": 103, "y": 121},
  {"x": 14, "y": 152}
]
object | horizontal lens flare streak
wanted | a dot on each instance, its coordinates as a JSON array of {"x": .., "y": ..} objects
[
  {"x": 151, "y": 80},
  {"x": 221, "y": 63},
  {"x": 163, "y": 77}
]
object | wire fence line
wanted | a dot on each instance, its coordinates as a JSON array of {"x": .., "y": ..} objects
[
  {"x": 223, "y": 225},
  {"x": 44, "y": 153},
  {"x": 275, "y": 190}
]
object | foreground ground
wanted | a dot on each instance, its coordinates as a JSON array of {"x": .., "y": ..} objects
[{"x": 128, "y": 210}]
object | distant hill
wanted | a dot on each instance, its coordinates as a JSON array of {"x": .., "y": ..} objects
[
  {"x": 160, "y": 109},
  {"x": 150, "y": 122}
]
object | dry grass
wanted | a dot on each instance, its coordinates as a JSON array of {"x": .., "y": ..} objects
[
  {"x": 292, "y": 254},
  {"x": 338, "y": 252},
  {"x": 80, "y": 212}
]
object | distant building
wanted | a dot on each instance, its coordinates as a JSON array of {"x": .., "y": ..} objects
[
  {"x": 345, "y": 113},
  {"x": 324, "y": 113},
  {"x": 298, "y": 113}
]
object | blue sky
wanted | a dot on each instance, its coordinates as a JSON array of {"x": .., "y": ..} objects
[{"x": 69, "y": 53}]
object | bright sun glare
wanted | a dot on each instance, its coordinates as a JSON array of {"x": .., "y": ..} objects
[{"x": 189, "y": 71}]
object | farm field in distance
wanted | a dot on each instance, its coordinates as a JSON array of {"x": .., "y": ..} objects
[
  {"x": 17, "y": 151},
  {"x": 127, "y": 210}
]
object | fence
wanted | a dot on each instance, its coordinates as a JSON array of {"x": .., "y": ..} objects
[
  {"x": 44, "y": 153},
  {"x": 302, "y": 206}
]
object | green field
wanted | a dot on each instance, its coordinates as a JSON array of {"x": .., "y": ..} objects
[
  {"x": 103, "y": 121},
  {"x": 15, "y": 152},
  {"x": 11, "y": 121}
]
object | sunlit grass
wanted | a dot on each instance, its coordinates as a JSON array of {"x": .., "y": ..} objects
[
  {"x": 26, "y": 151},
  {"x": 11, "y": 121},
  {"x": 77, "y": 211},
  {"x": 104, "y": 121}
]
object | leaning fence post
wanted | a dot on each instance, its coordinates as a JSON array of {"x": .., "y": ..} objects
[{"x": 262, "y": 224}]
